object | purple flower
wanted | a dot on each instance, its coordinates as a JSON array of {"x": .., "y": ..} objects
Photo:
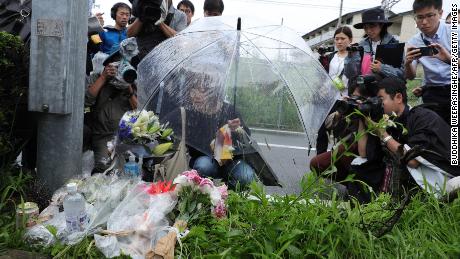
[
  {"x": 133, "y": 119},
  {"x": 124, "y": 130}
]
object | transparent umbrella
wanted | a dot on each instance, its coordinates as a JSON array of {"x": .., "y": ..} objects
[{"x": 219, "y": 70}]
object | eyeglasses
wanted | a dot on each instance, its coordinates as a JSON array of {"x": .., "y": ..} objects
[{"x": 428, "y": 16}]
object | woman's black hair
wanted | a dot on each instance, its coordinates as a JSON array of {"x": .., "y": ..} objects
[
  {"x": 383, "y": 31},
  {"x": 345, "y": 30}
]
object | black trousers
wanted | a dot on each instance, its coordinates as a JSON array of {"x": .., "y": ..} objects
[{"x": 437, "y": 99}]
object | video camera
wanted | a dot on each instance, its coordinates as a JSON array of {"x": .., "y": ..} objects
[
  {"x": 122, "y": 58},
  {"x": 322, "y": 50},
  {"x": 371, "y": 106},
  {"x": 148, "y": 11},
  {"x": 354, "y": 48}
]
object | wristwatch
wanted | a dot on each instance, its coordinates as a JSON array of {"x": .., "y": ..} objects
[{"x": 386, "y": 139}]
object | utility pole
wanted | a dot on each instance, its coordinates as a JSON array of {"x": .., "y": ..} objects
[
  {"x": 57, "y": 84},
  {"x": 339, "y": 22},
  {"x": 387, "y": 5}
]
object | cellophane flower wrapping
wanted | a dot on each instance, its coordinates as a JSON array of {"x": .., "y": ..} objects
[
  {"x": 142, "y": 127},
  {"x": 199, "y": 198},
  {"x": 139, "y": 215}
]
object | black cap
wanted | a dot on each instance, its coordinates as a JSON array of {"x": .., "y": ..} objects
[{"x": 374, "y": 15}]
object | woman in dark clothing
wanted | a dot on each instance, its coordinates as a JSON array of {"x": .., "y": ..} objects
[{"x": 375, "y": 26}]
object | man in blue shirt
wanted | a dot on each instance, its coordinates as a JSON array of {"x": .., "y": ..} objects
[
  {"x": 113, "y": 35},
  {"x": 434, "y": 33}
]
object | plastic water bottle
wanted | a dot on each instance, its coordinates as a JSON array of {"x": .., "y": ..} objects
[
  {"x": 76, "y": 218},
  {"x": 132, "y": 168}
]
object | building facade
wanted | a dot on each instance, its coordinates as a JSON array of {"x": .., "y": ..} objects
[{"x": 403, "y": 28}]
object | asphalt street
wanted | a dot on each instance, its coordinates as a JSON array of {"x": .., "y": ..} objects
[{"x": 287, "y": 154}]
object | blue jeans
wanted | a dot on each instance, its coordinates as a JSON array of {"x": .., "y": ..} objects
[{"x": 234, "y": 172}]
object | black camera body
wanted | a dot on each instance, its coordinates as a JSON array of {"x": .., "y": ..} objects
[
  {"x": 371, "y": 107},
  {"x": 354, "y": 48},
  {"x": 147, "y": 11},
  {"x": 323, "y": 50}
]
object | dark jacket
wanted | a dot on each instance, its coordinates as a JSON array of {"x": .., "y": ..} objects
[
  {"x": 107, "y": 108},
  {"x": 427, "y": 129}
]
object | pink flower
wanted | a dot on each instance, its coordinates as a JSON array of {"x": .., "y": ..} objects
[
  {"x": 193, "y": 176},
  {"x": 223, "y": 191},
  {"x": 220, "y": 211},
  {"x": 206, "y": 185}
]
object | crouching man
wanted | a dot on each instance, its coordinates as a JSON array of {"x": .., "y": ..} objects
[{"x": 425, "y": 129}]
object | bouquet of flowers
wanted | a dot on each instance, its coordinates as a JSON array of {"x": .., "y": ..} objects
[
  {"x": 197, "y": 198},
  {"x": 144, "y": 128}
]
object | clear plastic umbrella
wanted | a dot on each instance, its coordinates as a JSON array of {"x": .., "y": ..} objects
[{"x": 264, "y": 75}]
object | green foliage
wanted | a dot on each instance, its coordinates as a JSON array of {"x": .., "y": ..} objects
[
  {"x": 282, "y": 228},
  {"x": 277, "y": 111},
  {"x": 13, "y": 85}
]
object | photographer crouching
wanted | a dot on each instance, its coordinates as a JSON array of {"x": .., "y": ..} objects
[
  {"x": 424, "y": 129},
  {"x": 363, "y": 98},
  {"x": 109, "y": 95},
  {"x": 156, "y": 20}
]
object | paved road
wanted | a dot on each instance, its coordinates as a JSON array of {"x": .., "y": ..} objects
[{"x": 287, "y": 153}]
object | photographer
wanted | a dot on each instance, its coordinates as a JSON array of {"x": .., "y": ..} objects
[
  {"x": 363, "y": 88},
  {"x": 156, "y": 20},
  {"x": 375, "y": 26},
  {"x": 108, "y": 100},
  {"x": 431, "y": 48},
  {"x": 335, "y": 66},
  {"x": 424, "y": 128}
]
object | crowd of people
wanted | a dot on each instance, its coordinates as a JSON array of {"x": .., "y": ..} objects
[
  {"x": 356, "y": 72},
  {"x": 360, "y": 76}
]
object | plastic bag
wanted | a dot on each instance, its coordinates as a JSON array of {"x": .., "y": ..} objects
[
  {"x": 108, "y": 245},
  {"x": 138, "y": 216},
  {"x": 39, "y": 235}
]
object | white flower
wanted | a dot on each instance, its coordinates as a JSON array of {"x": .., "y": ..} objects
[
  {"x": 215, "y": 197},
  {"x": 180, "y": 180}
]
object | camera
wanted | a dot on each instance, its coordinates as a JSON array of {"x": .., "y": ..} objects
[
  {"x": 322, "y": 50},
  {"x": 148, "y": 11},
  {"x": 127, "y": 71},
  {"x": 428, "y": 51},
  {"x": 121, "y": 58},
  {"x": 371, "y": 107},
  {"x": 355, "y": 48}
]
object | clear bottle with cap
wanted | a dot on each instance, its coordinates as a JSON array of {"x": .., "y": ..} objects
[
  {"x": 76, "y": 218},
  {"x": 131, "y": 168}
]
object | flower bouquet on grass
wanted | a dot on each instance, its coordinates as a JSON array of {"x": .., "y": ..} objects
[
  {"x": 197, "y": 200},
  {"x": 142, "y": 133}
]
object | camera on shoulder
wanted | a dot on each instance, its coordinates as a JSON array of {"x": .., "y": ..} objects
[{"x": 148, "y": 11}]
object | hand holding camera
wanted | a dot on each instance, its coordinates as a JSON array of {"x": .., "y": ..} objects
[{"x": 110, "y": 71}]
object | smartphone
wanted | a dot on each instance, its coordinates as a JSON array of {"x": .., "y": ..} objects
[{"x": 428, "y": 51}]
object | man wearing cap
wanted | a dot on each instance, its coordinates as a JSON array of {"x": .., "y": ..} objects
[
  {"x": 375, "y": 26},
  {"x": 435, "y": 91}
]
